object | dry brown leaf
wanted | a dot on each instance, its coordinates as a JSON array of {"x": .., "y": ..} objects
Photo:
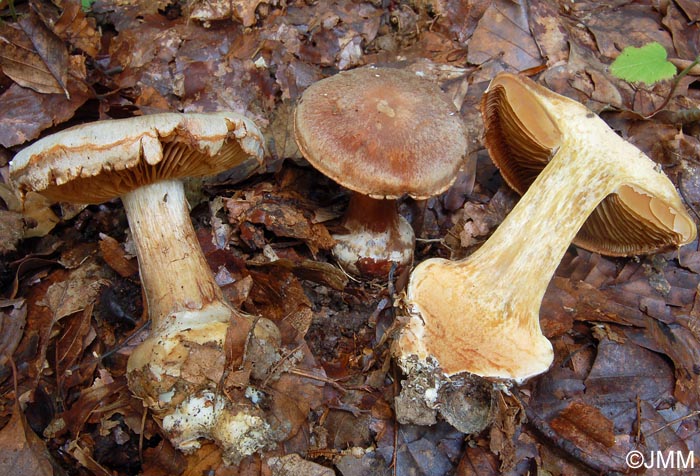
[
  {"x": 548, "y": 31},
  {"x": 315, "y": 271},
  {"x": 582, "y": 423},
  {"x": 33, "y": 56},
  {"x": 115, "y": 256},
  {"x": 478, "y": 461},
  {"x": 25, "y": 112},
  {"x": 504, "y": 34},
  {"x": 163, "y": 460},
  {"x": 208, "y": 460},
  {"x": 285, "y": 221},
  {"x": 82, "y": 452},
  {"x": 22, "y": 452},
  {"x": 70, "y": 347},
  {"x": 13, "y": 316},
  {"x": 295, "y": 465},
  {"x": 40, "y": 218},
  {"x": 77, "y": 292},
  {"x": 71, "y": 24},
  {"x": 99, "y": 395},
  {"x": 691, "y": 8},
  {"x": 211, "y": 10},
  {"x": 628, "y": 25},
  {"x": 11, "y": 230}
]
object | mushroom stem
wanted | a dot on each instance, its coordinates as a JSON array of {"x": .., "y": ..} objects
[
  {"x": 374, "y": 214},
  {"x": 171, "y": 262},
  {"x": 502, "y": 284},
  {"x": 377, "y": 237},
  {"x": 175, "y": 369}
]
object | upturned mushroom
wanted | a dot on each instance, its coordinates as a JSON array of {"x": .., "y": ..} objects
[
  {"x": 383, "y": 133},
  {"x": 480, "y": 315},
  {"x": 176, "y": 371}
]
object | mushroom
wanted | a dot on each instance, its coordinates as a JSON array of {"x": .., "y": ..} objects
[
  {"x": 480, "y": 315},
  {"x": 142, "y": 159},
  {"x": 383, "y": 133}
]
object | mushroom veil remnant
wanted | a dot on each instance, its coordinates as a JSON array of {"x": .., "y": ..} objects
[
  {"x": 480, "y": 315},
  {"x": 142, "y": 159},
  {"x": 383, "y": 133}
]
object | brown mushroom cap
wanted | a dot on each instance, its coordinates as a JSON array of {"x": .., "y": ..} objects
[
  {"x": 382, "y": 132},
  {"x": 526, "y": 124},
  {"x": 95, "y": 162}
]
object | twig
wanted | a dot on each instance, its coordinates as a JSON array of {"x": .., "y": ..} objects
[
  {"x": 320, "y": 378},
  {"x": 681, "y": 190},
  {"x": 673, "y": 422},
  {"x": 676, "y": 82},
  {"x": 113, "y": 350},
  {"x": 276, "y": 367}
]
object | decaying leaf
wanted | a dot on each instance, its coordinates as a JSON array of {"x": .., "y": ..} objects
[
  {"x": 294, "y": 465},
  {"x": 11, "y": 230},
  {"x": 13, "y": 316},
  {"x": 22, "y": 452},
  {"x": 40, "y": 218},
  {"x": 71, "y": 24},
  {"x": 584, "y": 425},
  {"x": 77, "y": 292},
  {"x": 115, "y": 256},
  {"x": 33, "y": 56},
  {"x": 242, "y": 10},
  {"x": 503, "y": 34},
  {"x": 25, "y": 112}
]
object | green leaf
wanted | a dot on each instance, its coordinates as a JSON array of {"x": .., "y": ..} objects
[{"x": 647, "y": 64}]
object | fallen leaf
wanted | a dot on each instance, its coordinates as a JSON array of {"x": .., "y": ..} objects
[
  {"x": 584, "y": 425},
  {"x": 76, "y": 335},
  {"x": 33, "y": 56},
  {"x": 22, "y": 452},
  {"x": 504, "y": 34},
  {"x": 25, "y": 112},
  {"x": 77, "y": 292},
  {"x": 11, "y": 230},
  {"x": 549, "y": 31},
  {"x": 295, "y": 465},
  {"x": 71, "y": 24},
  {"x": 115, "y": 256},
  {"x": 13, "y": 317}
]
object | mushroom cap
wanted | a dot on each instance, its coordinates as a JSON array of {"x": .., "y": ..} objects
[
  {"x": 525, "y": 125},
  {"x": 382, "y": 132},
  {"x": 98, "y": 161}
]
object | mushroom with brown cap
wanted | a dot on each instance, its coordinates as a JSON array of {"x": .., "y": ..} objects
[
  {"x": 480, "y": 315},
  {"x": 142, "y": 160},
  {"x": 383, "y": 133}
]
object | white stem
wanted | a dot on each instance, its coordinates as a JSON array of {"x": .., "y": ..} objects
[{"x": 174, "y": 272}]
